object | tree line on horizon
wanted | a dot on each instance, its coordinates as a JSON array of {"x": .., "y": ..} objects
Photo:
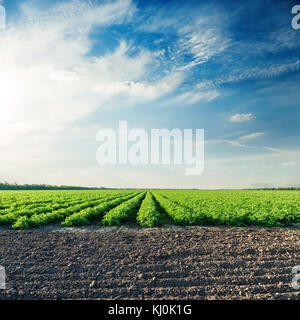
[{"x": 15, "y": 186}]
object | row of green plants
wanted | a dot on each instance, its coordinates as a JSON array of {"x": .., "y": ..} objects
[
  {"x": 12, "y": 200},
  {"x": 35, "y": 209},
  {"x": 178, "y": 214},
  {"x": 240, "y": 208},
  {"x": 24, "y": 215},
  {"x": 38, "y": 220},
  {"x": 125, "y": 212},
  {"x": 31, "y": 205},
  {"x": 85, "y": 217},
  {"x": 150, "y": 214}
]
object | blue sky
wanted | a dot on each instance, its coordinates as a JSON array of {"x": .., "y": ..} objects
[{"x": 70, "y": 68}]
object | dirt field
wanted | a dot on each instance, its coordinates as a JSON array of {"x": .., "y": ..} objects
[{"x": 167, "y": 263}]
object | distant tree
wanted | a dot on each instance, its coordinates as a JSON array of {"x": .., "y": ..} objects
[{"x": 14, "y": 186}]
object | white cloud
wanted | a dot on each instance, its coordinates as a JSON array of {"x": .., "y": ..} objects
[
  {"x": 252, "y": 136},
  {"x": 289, "y": 163},
  {"x": 195, "y": 96},
  {"x": 201, "y": 41},
  {"x": 261, "y": 72},
  {"x": 231, "y": 142},
  {"x": 276, "y": 39},
  {"x": 48, "y": 81},
  {"x": 200, "y": 37},
  {"x": 240, "y": 117},
  {"x": 136, "y": 91}
]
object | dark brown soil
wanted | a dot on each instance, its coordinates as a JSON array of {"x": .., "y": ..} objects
[{"x": 167, "y": 263}]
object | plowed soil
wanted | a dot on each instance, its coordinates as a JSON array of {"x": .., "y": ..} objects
[{"x": 166, "y": 263}]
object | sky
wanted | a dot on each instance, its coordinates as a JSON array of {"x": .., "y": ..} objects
[{"x": 70, "y": 68}]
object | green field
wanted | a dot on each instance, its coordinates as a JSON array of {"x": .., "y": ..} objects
[{"x": 29, "y": 209}]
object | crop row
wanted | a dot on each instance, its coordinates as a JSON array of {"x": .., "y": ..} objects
[
  {"x": 85, "y": 217},
  {"x": 239, "y": 208},
  {"x": 38, "y": 209},
  {"x": 149, "y": 214},
  {"x": 15, "y": 216},
  {"x": 178, "y": 214},
  {"x": 12, "y": 200},
  {"x": 125, "y": 212},
  {"x": 37, "y": 220}
]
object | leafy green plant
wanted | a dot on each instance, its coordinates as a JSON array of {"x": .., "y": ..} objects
[
  {"x": 149, "y": 215},
  {"x": 124, "y": 212},
  {"x": 85, "y": 217}
]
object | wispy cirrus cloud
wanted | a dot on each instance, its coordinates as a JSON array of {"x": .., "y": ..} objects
[
  {"x": 194, "y": 97},
  {"x": 203, "y": 39},
  {"x": 242, "y": 117},
  {"x": 273, "y": 70},
  {"x": 252, "y": 136},
  {"x": 289, "y": 164},
  {"x": 134, "y": 92}
]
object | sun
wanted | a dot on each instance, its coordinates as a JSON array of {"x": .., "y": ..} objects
[{"x": 11, "y": 95}]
